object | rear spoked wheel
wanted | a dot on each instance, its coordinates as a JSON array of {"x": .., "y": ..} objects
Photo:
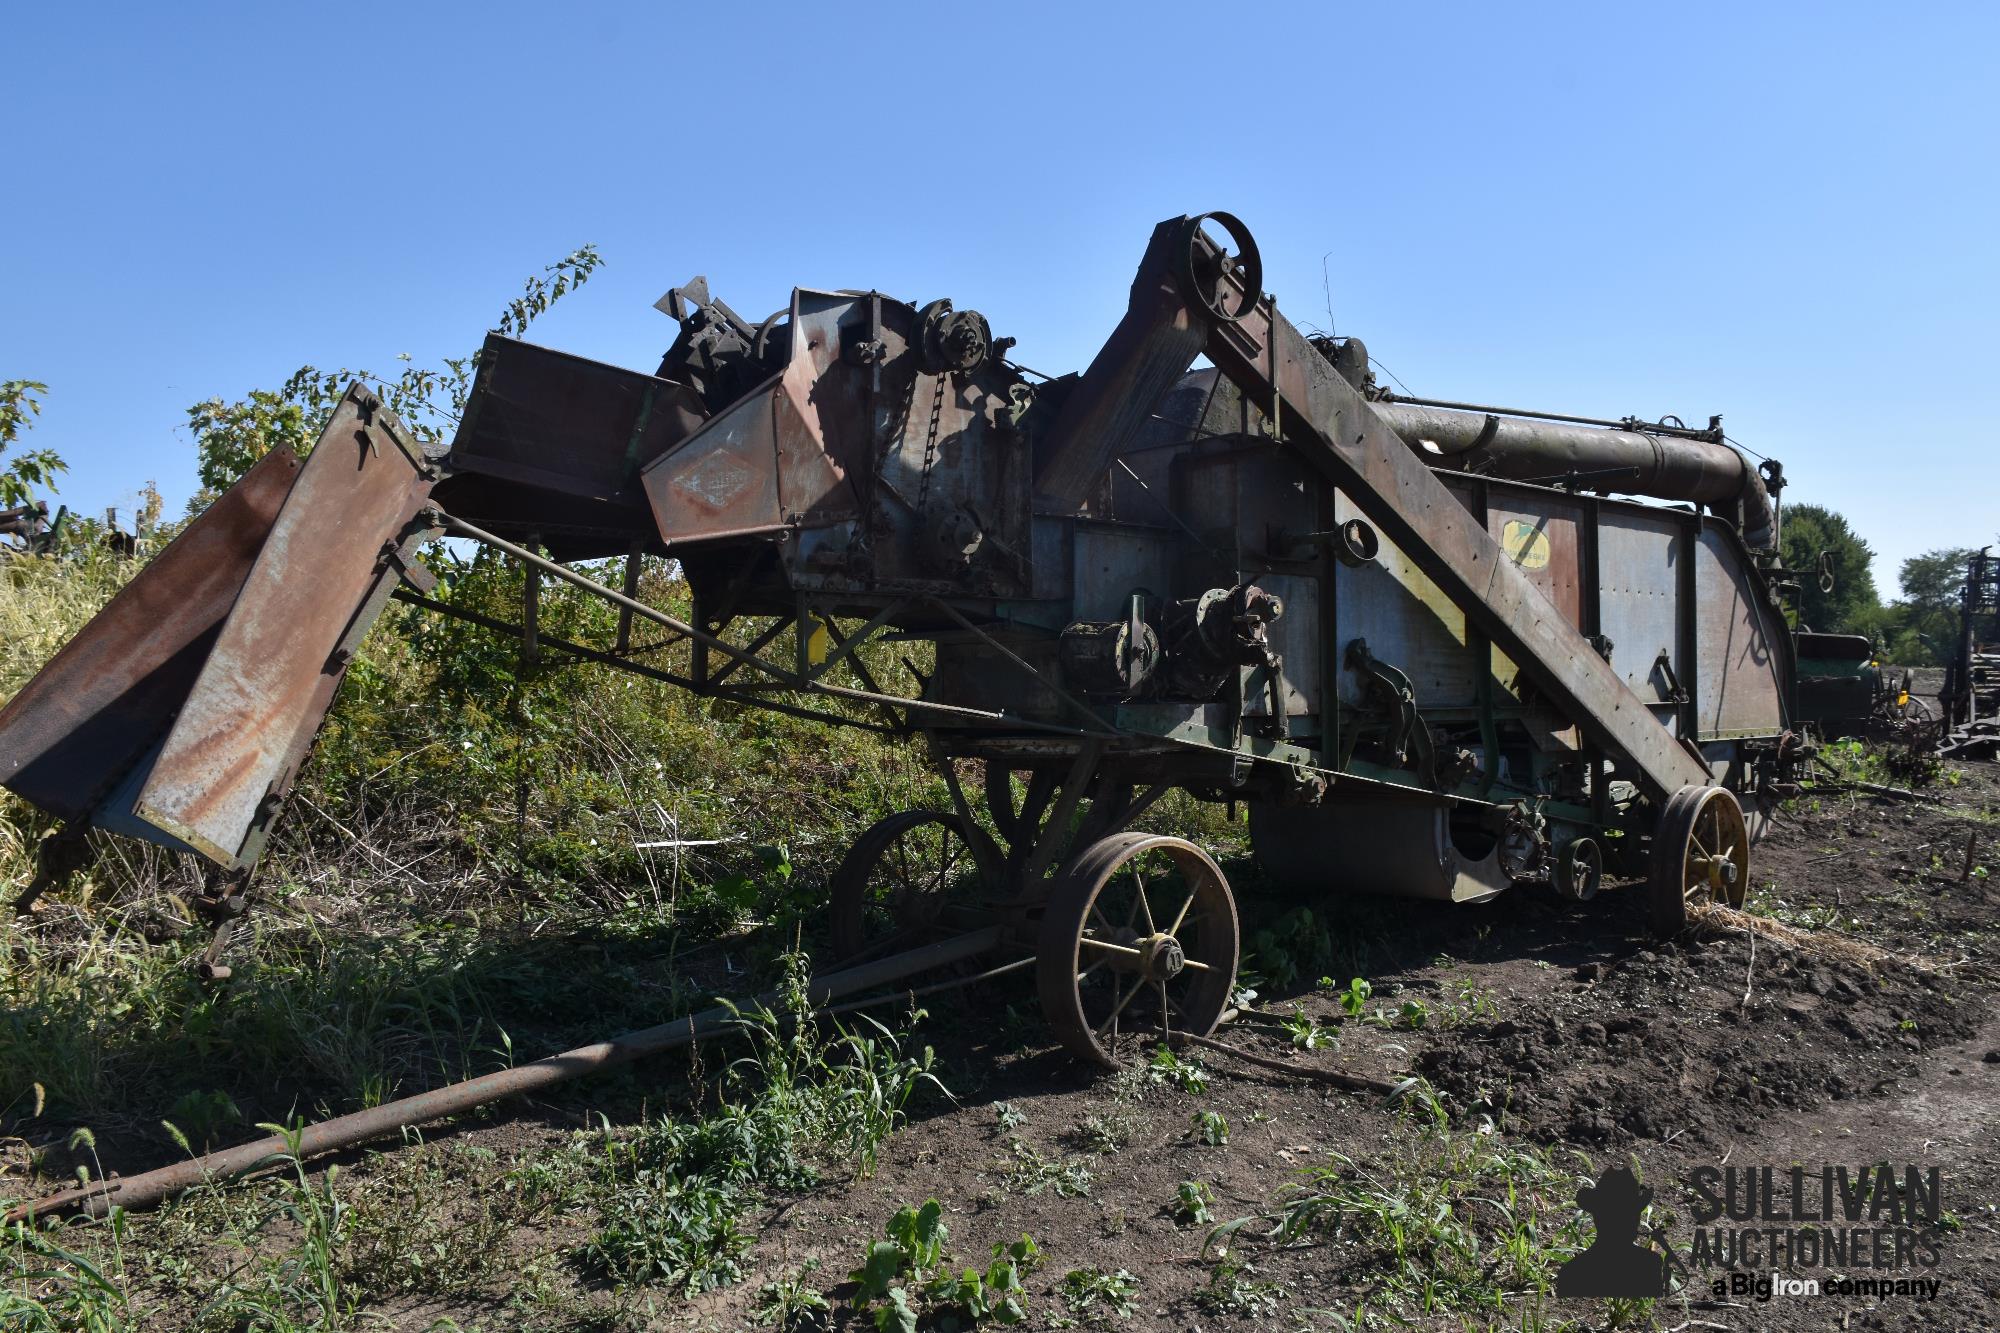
[
  {"x": 910, "y": 880},
  {"x": 1139, "y": 943}
]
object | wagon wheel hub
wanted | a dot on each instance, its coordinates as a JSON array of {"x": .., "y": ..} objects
[{"x": 1162, "y": 957}]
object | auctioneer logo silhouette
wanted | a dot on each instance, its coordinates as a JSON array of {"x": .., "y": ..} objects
[{"x": 1615, "y": 1264}]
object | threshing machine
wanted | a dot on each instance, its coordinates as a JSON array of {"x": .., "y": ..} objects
[{"x": 1419, "y": 641}]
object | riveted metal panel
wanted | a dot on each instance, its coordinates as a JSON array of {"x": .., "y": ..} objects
[
  {"x": 1639, "y": 585},
  {"x": 1408, "y": 622},
  {"x": 1739, "y": 679},
  {"x": 1538, "y": 534},
  {"x": 1112, "y": 563}
]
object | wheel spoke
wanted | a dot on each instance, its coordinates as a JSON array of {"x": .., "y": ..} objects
[
  {"x": 1102, "y": 962},
  {"x": 1166, "y": 1017},
  {"x": 1181, "y": 915},
  {"x": 1111, "y": 1021},
  {"x": 1144, "y": 906},
  {"x": 1103, "y": 922},
  {"x": 1109, "y": 947},
  {"x": 1195, "y": 965}
]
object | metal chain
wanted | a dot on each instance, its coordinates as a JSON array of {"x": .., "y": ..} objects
[{"x": 930, "y": 441}]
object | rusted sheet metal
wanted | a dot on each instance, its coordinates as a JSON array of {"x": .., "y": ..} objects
[
  {"x": 566, "y": 424},
  {"x": 551, "y": 446},
  {"x": 1407, "y": 621},
  {"x": 105, "y": 701},
  {"x": 1339, "y": 433},
  {"x": 770, "y": 459},
  {"x": 1153, "y": 345},
  {"x": 1539, "y": 535},
  {"x": 317, "y": 584},
  {"x": 1740, "y": 646}
]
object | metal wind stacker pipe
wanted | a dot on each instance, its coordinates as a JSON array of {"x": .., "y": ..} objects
[{"x": 1427, "y": 647}]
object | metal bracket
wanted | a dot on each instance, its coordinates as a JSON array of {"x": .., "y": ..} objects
[
  {"x": 1664, "y": 664},
  {"x": 1391, "y": 692}
]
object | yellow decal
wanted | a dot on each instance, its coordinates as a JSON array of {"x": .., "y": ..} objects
[{"x": 1525, "y": 544}]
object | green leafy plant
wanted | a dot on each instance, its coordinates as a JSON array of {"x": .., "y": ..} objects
[
  {"x": 1295, "y": 945},
  {"x": 20, "y": 475},
  {"x": 1033, "y": 1171},
  {"x": 1192, "y": 1204},
  {"x": 1211, "y": 1128},
  {"x": 1456, "y": 1219},
  {"x": 905, "y": 1276},
  {"x": 1086, "y": 1290},
  {"x": 1189, "y": 1075},
  {"x": 1308, "y": 1033},
  {"x": 1232, "y": 1290},
  {"x": 791, "y": 1304},
  {"x": 1355, "y": 998}
]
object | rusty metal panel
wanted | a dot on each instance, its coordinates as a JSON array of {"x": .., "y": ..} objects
[
  {"x": 1539, "y": 535},
  {"x": 770, "y": 458},
  {"x": 566, "y": 424},
  {"x": 315, "y": 587},
  {"x": 1739, "y": 672},
  {"x": 102, "y": 703},
  {"x": 724, "y": 479}
]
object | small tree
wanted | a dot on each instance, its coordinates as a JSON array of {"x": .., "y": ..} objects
[
  {"x": 1926, "y": 620},
  {"x": 1836, "y": 583},
  {"x": 230, "y": 437},
  {"x": 20, "y": 475}
]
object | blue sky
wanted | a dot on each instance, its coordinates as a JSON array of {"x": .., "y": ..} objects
[{"x": 1782, "y": 213}]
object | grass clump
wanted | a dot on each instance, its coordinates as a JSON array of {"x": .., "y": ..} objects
[
  {"x": 1455, "y": 1220},
  {"x": 672, "y": 1199}
]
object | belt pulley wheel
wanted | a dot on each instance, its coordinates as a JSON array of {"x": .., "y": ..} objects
[
  {"x": 909, "y": 880},
  {"x": 1139, "y": 942},
  {"x": 1579, "y": 870},
  {"x": 1701, "y": 854}
]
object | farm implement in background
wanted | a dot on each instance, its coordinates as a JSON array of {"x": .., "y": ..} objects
[{"x": 1421, "y": 641}]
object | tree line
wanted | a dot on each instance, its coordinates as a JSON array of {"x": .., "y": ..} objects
[{"x": 1837, "y": 593}]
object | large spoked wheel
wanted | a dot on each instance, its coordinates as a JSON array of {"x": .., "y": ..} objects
[
  {"x": 1701, "y": 854},
  {"x": 908, "y": 881},
  {"x": 1139, "y": 941}
]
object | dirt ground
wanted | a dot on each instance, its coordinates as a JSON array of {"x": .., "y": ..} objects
[{"x": 1565, "y": 1026}]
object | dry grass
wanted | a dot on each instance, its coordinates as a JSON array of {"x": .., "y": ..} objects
[{"x": 1714, "y": 921}]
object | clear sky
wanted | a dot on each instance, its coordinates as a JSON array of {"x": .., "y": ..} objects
[{"x": 1782, "y": 213}]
